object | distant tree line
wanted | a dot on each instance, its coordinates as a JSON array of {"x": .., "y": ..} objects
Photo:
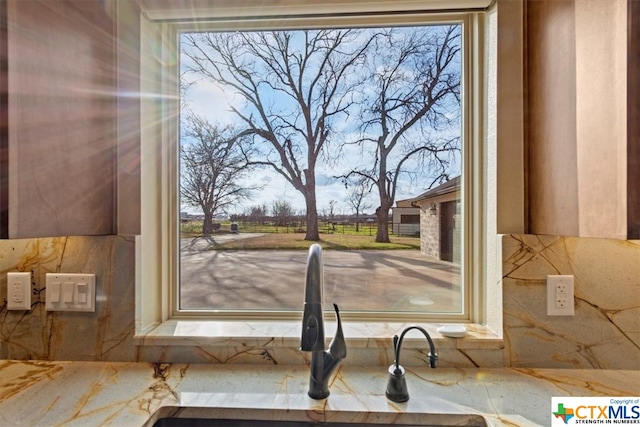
[{"x": 281, "y": 213}]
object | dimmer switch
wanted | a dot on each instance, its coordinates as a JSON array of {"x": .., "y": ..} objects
[{"x": 82, "y": 291}]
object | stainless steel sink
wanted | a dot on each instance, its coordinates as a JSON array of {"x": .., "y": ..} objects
[
  {"x": 203, "y": 422},
  {"x": 223, "y": 417}
]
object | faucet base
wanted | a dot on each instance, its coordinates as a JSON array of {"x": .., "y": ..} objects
[
  {"x": 398, "y": 399},
  {"x": 397, "y": 385},
  {"x": 318, "y": 395},
  {"x": 322, "y": 366}
]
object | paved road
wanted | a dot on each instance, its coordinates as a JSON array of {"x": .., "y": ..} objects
[{"x": 402, "y": 280}]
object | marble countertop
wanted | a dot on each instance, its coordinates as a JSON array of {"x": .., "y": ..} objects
[{"x": 41, "y": 393}]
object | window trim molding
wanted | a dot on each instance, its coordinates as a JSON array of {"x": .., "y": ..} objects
[
  {"x": 224, "y": 10},
  {"x": 160, "y": 225}
]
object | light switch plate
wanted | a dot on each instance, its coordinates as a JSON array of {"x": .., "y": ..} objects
[
  {"x": 19, "y": 291},
  {"x": 70, "y": 292}
]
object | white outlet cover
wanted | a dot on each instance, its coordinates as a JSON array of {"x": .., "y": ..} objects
[
  {"x": 554, "y": 308},
  {"x": 19, "y": 291},
  {"x": 70, "y": 292}
]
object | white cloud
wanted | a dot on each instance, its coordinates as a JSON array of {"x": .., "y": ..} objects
[{"x": 213, "y": 102}]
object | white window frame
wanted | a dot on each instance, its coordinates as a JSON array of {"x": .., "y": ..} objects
[{"x": 157, "y": 290}]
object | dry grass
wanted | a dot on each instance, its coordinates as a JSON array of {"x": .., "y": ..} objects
[{"x": 328, "y": 241}]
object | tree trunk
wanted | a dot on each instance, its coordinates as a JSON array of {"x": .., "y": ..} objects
[
  {"x": 312, "y": 217},
  {"x": 382, "y": 213},
  {"x": 207, "y": 224}
]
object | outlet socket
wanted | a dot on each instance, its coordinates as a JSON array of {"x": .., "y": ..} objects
[
  {"x": 19, "y": 291},
  {"x": 560, "y": 295}
]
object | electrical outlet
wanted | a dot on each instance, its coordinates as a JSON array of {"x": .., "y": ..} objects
[
  {"x": 560, "y": 295},
  {"x": 19, "y": 291}
]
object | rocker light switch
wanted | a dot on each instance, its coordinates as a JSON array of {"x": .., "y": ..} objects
[
  {"x": 53, "y": 292},
  {"x": 67, "y": 292},
  {"x": 71, "y": 292}
]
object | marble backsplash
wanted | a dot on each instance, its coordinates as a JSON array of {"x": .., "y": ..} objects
[
  {"x": 106, "y": 334},
  {"x": 604, "y": 333}
]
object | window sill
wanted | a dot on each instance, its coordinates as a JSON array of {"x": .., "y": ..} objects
[{"x": 287, "y": 334}]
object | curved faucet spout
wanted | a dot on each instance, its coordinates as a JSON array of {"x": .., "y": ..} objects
[
  {"x": 397, "y": 344},
  {"x": 323, "y": 362},
  {"x": 312, "y": 318},
  {"x": 397, "y": 384}
]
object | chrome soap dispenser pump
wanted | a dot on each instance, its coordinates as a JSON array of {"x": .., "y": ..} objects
[{"x": 397, "y": 385}]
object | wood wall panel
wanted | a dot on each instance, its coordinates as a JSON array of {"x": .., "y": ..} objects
[
  {"x": 553, "y": 176},
  {"x": 577, "y": 118},
  {"x": 4, "y": 125},
  {"x": 62, "y": 118},
  {"x": 633, "y": 120}
]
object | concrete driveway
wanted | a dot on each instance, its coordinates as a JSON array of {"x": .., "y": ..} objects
[{"x": 397, "y": 280}]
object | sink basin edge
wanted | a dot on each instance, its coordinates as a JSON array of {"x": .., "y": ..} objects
[{"x": 180, "y": 416}]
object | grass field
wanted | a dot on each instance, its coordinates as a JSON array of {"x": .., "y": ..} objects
[
  {"x": 287, "y": 238},
  {"x": 194, "y": 228},
  {"x": 327, "y": 241}
]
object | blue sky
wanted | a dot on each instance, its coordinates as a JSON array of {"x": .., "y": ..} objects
[{"x": 213, "y": 102}]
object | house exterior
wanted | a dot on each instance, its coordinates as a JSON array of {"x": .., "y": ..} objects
[
  {"x": 405, "y": 219},
  {"x": 440, "y": 221}
]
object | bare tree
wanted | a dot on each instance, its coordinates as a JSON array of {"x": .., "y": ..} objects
[
  {"x": 357, "y": 196},
  {"x": 282, "y": 212},
  {"x": 295, "y": 86},
  {"x": 257, "y": 214},
  {"x": 212, "y": 168},
  {"x": 331, "y": 212},
  {"x": 411, "y": 118}
]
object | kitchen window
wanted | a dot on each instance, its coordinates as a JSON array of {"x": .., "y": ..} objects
[{"x": 166, "y": 34}]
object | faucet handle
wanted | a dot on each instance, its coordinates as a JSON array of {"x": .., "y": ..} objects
[{"x": 338, "y": 346}]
